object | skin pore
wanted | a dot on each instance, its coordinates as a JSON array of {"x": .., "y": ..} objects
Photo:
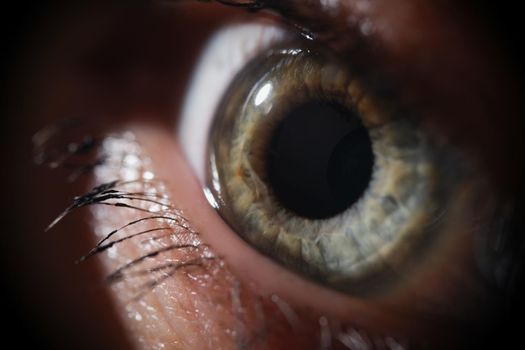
[{"x": 126, "y": 68}]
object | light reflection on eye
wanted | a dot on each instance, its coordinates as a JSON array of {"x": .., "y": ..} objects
[{"x": 225, "y": 54}]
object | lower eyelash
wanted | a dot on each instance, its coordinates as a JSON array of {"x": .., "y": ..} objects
[
  {"x": 133, "y": 186},
  {"x": 142, "y": 194}
]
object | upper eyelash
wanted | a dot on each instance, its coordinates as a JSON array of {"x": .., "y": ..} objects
[
  {"x": 328, "y": 23},
  {"x": 324, "y": 22},
  {"x": 70, "y": 157}
]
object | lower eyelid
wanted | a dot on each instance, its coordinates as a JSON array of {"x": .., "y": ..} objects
[
  {"x": 163, "y": 314},
  {"x": 267, "y": 277},
  {"x": 374, "y": 315}
]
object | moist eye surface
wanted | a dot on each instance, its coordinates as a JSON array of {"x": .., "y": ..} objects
[{"x": 311, "y": 166}]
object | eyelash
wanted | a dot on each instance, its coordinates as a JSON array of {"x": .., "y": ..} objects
[{"x": 113, "y": 194}]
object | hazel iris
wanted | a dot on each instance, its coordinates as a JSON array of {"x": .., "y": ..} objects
[{"x": 310, "y": 167}]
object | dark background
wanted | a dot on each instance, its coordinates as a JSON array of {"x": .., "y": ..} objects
[{"x": 18, "y": 21}]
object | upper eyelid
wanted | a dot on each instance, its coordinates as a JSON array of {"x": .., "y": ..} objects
[
  {"x": 324, "y": 20},
  {"x": 331, "y": 21}
]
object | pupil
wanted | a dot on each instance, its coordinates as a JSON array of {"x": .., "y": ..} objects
[{"x": 320, "y": 160}]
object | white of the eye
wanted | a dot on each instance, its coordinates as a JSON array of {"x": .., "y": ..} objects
[{"x": 227, "y": 52}]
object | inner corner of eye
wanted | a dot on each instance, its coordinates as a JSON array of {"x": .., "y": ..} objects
[{"x": 303, "y": 162}]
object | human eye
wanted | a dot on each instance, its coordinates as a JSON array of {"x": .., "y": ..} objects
[{"x": 190, "y": 250}]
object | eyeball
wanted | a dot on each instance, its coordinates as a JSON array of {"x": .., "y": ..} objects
[{"x": 314, "y": 163}]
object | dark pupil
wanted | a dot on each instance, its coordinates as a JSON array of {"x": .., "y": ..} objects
[{"x": 320, "y": 160}]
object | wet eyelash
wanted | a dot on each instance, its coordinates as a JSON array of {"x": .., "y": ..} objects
[
  {"x": 103, "y": 193},
  {"x": 50, "y": 150},
  {"x": 53, "y": 151},
  {"x": 102, "y": 245}
]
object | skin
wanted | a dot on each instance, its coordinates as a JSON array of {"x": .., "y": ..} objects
[{"x": 116, "y": 64}]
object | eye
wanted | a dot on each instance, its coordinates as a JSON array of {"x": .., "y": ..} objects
[
  {"x": 314, "y": 165},
  {"x": 430, "y": 255}
]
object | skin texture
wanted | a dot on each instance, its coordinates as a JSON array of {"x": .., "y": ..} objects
[{"x": 127, "y": 67}]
